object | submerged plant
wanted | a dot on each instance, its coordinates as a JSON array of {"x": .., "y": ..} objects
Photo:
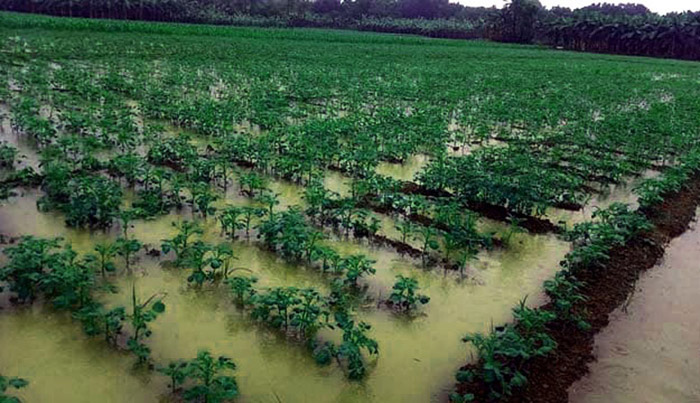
[
  {"x": 7, "y": 383},
  {"x": 142, "y": 313},
  {"x": 27, "y": 263},
  {"x": 180, "y": 243},
  {"x": 355, "y": 340},
  {"x": 242, "y": 288},
  {"x": 127, "y": 248},
  {"x": 210, "y": 379},
  {"x": 103, "y": 259},
  {"x": 404, "y": 295},
  {"x": 177, "y": 371},
  {"x": 356, "y": 267}
]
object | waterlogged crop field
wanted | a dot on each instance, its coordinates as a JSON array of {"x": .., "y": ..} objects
[{"x": 212, "y": 214}]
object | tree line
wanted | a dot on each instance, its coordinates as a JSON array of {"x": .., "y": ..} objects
[
  {"x": 221, "y": 10},
  {"x": 630, "y": 29},
  {"x": 643, "y": 34}
]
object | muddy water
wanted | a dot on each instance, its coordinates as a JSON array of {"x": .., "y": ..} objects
[
  {"x": 338, "y": 183},
  {"x": 406, "y": 171},
  {"x": 650, "y": 351},
  {"x": 616, "y": 193},
  {"x": 418, "y": 357},
  {"x": 63, "y": 365},
  {"x": 27, "y": 155}
]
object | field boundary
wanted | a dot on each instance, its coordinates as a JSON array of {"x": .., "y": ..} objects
[{"x": 550, "y": 376}]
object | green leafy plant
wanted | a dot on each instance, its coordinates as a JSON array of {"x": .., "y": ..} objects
[
  {"x": 27, "y": 263},
  {"x": 356, "y": 267},
  {"x": 177, "y": 371},
  {"x": 242, "y": 288},
  {"x": 502, "y": 353},
  {"x": 127, "y": 248},
  {"x": 208, "y": 375},
  {"x": 142, "y": 313},
  {"x": 355, "y": 340},
  {"x": 404, "y": 295},
  {"x": 7, "y": 383},
  {"x": 105, "y": 252},
  {"x": 428, "y": 239},
  {"x": 180, "y": 243}
]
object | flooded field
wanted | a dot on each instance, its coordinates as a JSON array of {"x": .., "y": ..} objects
[
  {"x": 422, "y": 349},
  {"x": 293, "y": 201},
  {"x": 51, "y": 349}
]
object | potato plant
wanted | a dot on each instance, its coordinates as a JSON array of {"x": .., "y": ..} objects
[
  {"x": 10, "y": 383},
  {"x": 404, "y": 294}
]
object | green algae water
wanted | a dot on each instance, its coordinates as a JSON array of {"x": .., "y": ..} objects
[{"x": 50, "y": 350}]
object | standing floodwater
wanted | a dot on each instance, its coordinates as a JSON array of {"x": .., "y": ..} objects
[{"x": 650, "y": 352}]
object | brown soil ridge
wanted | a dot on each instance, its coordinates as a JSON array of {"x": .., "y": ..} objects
[
  {"x": 499, "y": 213},
  {"x": 550, "y": 377}
]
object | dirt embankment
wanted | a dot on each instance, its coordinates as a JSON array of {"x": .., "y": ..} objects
[
  {"x": 550, "y": 377},
  {"x": 650, "y": 351}
]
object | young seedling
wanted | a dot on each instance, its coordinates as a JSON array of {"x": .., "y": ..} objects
[
  {"x": 249, "y": 213},
  {"x": 180, "y": 244},
  {"x": 404, "y": 295},
  {"x": 142, "y": 313},
  {"x": 406, "y": 228},
  {"x": 177, "y": 371},
  {"x": 106, "y": 251},
  {"x": 211, "y": 384},
  {"x": 242, "y": 288},
  {"x": 126, "y": 248}
]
